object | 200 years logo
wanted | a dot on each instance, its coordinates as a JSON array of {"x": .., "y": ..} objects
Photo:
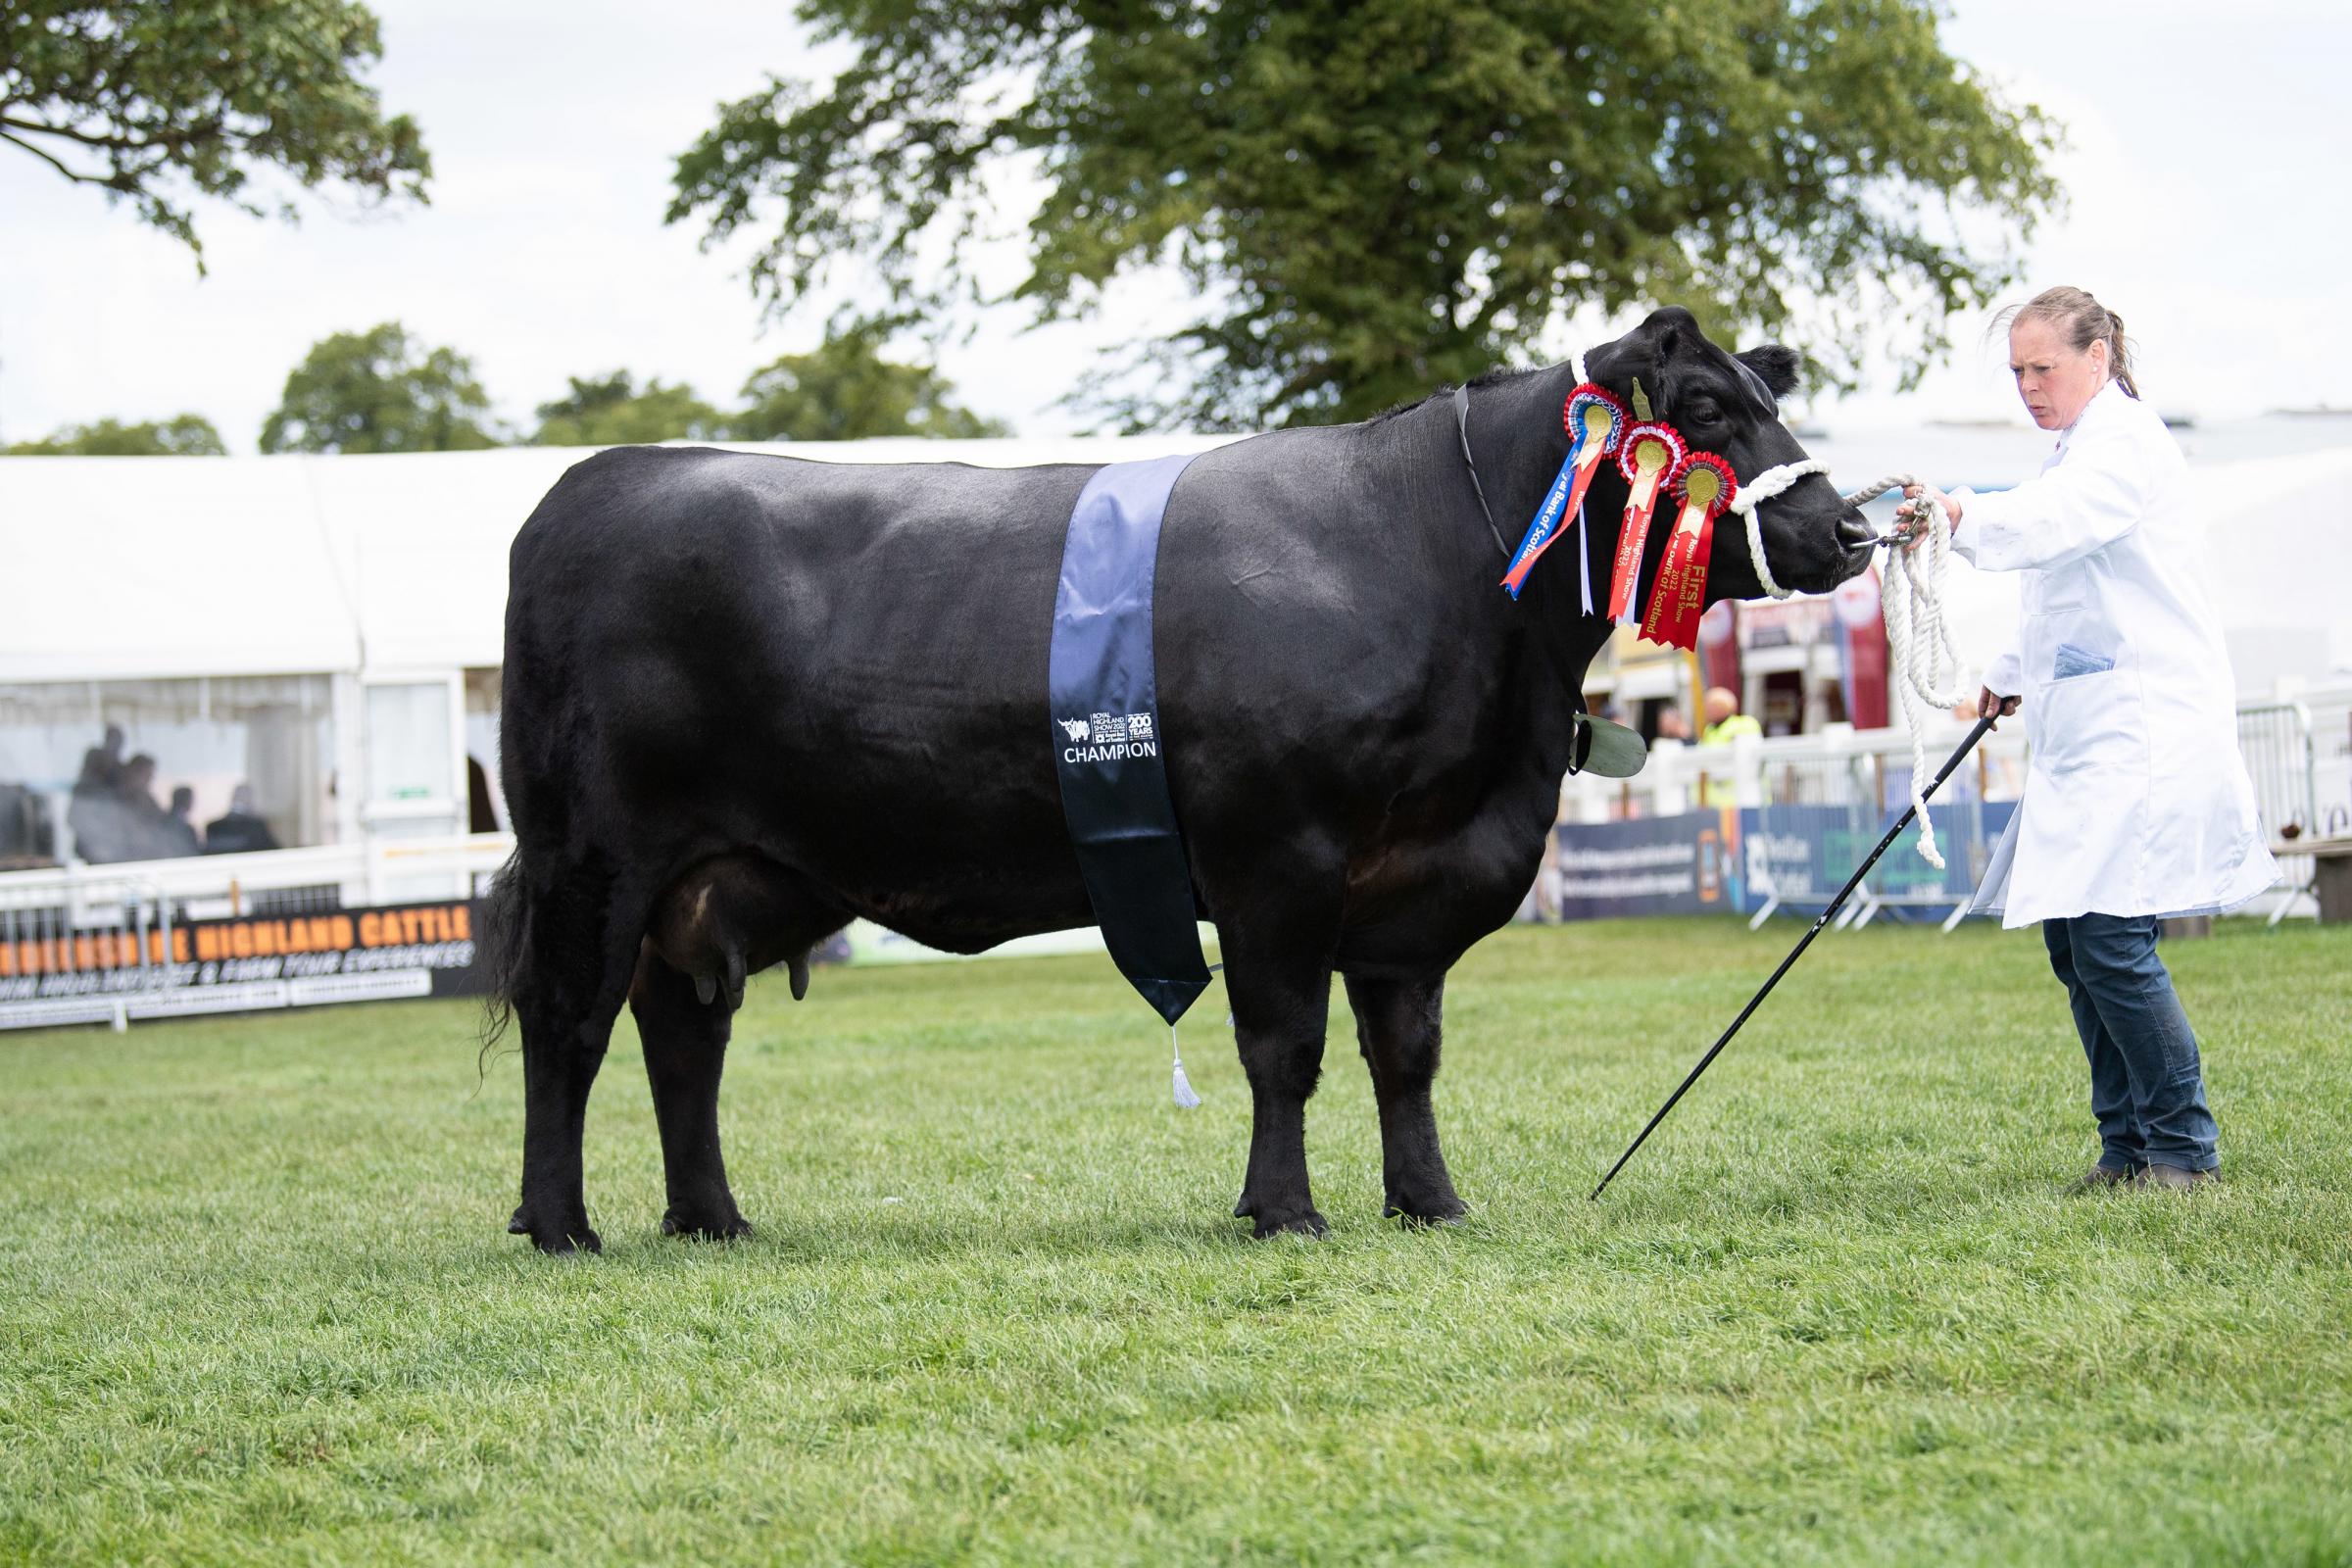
[{"x": 1109, "y": 737}]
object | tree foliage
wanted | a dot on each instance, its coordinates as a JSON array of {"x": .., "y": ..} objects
[
  {"x": 156, "y": 101},
  {"x": 1370, "y": 198},
  {"x": 612, "y": 411},
  {"x": 380, "y": 390},
  {"x": 847, "y": 391},
  {"x": 189, "y": 435}
]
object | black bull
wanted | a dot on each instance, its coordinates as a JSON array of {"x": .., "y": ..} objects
[{"x": 749, "y": 698}]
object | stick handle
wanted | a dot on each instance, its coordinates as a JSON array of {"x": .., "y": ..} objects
[{"x": 1803, "y": 942}]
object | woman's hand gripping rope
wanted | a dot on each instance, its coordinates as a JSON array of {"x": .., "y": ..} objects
[{"x": 1911, "y": 525}]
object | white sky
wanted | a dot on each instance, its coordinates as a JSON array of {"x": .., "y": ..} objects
[{"x": 2208, "y": 168}]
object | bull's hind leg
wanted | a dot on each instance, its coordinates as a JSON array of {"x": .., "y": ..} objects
[
  {"x": 685, "y": 1039},
  {"x": 1396, "y": 1027},
  {"x": 577, "y": 954},
  {"x": 723, "y": 920}
]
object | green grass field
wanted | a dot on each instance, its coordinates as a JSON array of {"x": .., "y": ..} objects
[{"x": 257, "y": 1303}]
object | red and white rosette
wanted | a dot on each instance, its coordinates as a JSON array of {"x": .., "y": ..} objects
[
  {"x": 1648, "y": 457},
  {"x": 1704, "y": 485}
]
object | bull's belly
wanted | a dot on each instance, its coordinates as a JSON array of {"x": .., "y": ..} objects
[
  {"x": 962, "y": 869},
  {"x": 960, "y": 915}
]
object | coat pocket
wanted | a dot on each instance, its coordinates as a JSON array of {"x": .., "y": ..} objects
[
  {"x": 2090, "y": 720},
  {"x": 2073, "y": 660}
]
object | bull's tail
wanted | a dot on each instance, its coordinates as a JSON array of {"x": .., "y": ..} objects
[{"x": 499, "y": 939}]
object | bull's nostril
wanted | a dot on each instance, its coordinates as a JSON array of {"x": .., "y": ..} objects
[{"x": 1854, "y": 529}]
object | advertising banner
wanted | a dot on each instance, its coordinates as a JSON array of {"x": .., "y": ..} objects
[
  {"x": 1862, "y": 650},
  {"x": 240, "y": 964},
  {"x": 1802, "y": 855},
  {"x": 1738, "y": 860},
  {"x": 1681, "y": 865}
]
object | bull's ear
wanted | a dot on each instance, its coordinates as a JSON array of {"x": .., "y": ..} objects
[
  {"x": 1615, "y": 364},
  {"x": 1774, "y": 365},
  {"x": 1612, "y": 364}
]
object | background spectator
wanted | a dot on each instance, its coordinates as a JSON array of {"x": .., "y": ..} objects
[{"x": 240, "y": 831}]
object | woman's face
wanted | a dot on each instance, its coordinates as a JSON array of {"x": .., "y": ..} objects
[{"x": 2053, "y": 378}]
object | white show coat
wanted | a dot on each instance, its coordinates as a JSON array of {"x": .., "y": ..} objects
[{"x": 2136, "y": 801}]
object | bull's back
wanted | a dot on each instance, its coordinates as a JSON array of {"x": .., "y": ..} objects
[{"x": 767, "y": 641}]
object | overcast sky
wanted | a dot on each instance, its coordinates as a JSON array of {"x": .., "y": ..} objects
[{"x": 2208, "y": 170}]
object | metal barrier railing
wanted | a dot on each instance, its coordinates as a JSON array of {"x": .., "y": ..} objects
[
  {"x": 64, "y": 957},
  {"x": 2275, "y": 740}
]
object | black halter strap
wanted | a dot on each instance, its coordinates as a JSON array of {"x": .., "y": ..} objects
[{"x": 1461, "y": 419}]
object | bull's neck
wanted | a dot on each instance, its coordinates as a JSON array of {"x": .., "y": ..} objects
[{"x": 1541, "y": 644}]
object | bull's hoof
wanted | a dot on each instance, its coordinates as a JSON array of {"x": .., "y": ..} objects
[
  {"x": 555, "y": 1241},
  {"x": 1286, "y": 1222},
  {"x": 729, "y": 1227},
  {"x": 1417, "y": 1214}
]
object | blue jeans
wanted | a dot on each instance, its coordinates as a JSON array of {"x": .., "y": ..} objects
[{"x": 2147, "y": 1089}]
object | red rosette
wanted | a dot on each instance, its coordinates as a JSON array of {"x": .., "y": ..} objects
[
  {"x": 1587, "y": 395},
  {"x": 1679, "y": 483},
  {"x": 1678, "y": 599},
  {"x": 1652, "y": 430}
]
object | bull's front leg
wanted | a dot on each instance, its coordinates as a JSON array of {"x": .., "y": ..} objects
[
  {"x": 1280, "y": 987},
  {"x": 1396, "y": 1027}
]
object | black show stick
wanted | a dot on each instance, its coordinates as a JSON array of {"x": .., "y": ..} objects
[{"x": 1797, "y": 952}]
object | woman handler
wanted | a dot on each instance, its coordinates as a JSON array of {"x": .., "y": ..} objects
[{"x": 2136, "y": 804}]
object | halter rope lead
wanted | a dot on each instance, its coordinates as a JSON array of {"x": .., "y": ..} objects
[{"x": 1918, "y": 644}]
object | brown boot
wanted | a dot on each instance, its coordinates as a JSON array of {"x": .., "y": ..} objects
[
  {"x": 2174, "y": 1179},
  {"x": 2106, "y": 1178}
]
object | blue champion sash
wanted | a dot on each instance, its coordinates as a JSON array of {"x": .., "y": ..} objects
[{"x": 1105, "y": 700}]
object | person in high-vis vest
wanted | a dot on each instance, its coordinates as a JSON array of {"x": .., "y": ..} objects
[
  {"x": 1725, "y": 723},
  {"x": 2137, "y": 804}
]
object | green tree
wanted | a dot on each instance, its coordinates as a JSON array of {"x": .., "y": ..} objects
[
  {"x": 611, "y": 410},
  {"x": 155, "y": 101},
  {"x": 380, "y": 391},
  {"x": 845, "y": 391},
  {"x": 1373, "y": 197},
  {"x": 190, "y": 435}
]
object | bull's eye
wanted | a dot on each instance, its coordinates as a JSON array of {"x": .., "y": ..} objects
[{"x": 1705, "y": 410}]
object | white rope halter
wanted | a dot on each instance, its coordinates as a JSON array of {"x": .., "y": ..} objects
[
  {"x": 1919, "y": 645},
  {"x": 1752, "y": 495}
]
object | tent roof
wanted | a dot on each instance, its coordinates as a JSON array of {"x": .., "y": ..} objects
[
  {"x": 140, "y": 567},
  {"x": 122, "y": 569}
]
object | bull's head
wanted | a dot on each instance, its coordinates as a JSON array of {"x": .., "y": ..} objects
[{"x": 1729, "y": 405}]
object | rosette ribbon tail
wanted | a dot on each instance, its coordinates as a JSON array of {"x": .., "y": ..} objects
[
  {"x": 1649, "y": 457},
  {"x": 1594, "y": 419}
]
